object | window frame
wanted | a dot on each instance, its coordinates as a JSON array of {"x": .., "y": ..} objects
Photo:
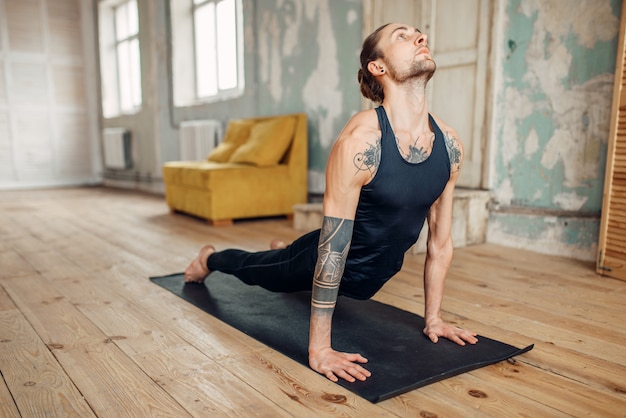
[
  {"x": 238, "y": 88},
  {"x": 117, "y": 43},
  {"x": 110, "y": 74},
  {"x": 184, "y": 54}
]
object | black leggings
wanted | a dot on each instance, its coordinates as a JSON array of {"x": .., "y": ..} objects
[{"x": 285, "y": 270}]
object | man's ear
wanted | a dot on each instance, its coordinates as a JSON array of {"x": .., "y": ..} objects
[{"x": 376, "y": 68}]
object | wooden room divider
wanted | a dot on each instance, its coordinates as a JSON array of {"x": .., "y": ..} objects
[{"x": 611, "y": 259}]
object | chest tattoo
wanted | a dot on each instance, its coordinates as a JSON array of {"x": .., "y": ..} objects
[{"x": 418, "y": 152}]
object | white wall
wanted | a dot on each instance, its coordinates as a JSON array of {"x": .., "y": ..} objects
[{"x": 48, "y": 94}]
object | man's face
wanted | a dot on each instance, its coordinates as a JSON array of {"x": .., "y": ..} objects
[{"x": 406, "y": 53}]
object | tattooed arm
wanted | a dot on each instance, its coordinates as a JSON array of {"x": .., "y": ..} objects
[
  {"x": 352, "y": 163},
  {"x": 334, "y": 244},
  {"x": 439, "y": 250}
]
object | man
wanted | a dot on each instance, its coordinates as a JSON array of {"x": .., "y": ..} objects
[{"x": 390, "y": 169}]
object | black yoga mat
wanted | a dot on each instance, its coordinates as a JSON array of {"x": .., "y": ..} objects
[{"x": 401, "y": 358}]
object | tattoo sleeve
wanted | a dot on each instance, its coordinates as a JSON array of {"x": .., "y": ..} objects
[
  {"x": 454, "y": 151},
  {"x": 334, "y": 243}
]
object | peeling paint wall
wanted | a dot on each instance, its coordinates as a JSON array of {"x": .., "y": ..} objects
[
  {"x": 307, "y": 61},
  {"x": 552, "y": 123}
]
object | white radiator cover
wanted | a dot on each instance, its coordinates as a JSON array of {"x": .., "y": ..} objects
[
  {"x": 198, "y": 138},
  {"x": 117, "y": 148}
]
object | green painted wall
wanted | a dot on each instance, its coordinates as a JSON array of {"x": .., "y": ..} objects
[
  {"x": 308, "y": 61},
  {"x": 552, "y": 127}
]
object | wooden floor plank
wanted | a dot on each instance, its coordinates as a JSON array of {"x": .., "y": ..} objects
[
  {"x": 14, "y": 265},
  {"x": 297, "y": 388},
  {"x": 8, "y": 409},
  {"x": 128, "y": 325},
  {"x": 423, "y": 403},
  {"x": 97, "y": 367},
  {"x": 38, "y": 384},
  {"x": 133, "y": 349},
  {"x": 166, "y": 357},
  {"x": 204, "y": 386},
  {"x": 563, "y": 298},
  {"x": 518, "y": 377},
  {"x": 490, "y": 399},
  {"x": 6, "y": 304}
]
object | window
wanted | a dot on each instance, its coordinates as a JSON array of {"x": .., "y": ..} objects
[
  {"x": 211, "y": 50},
  {"x": 127, "y": 54},
  {"x": 120, "y": 57}
]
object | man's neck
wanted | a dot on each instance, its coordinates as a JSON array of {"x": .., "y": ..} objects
[{"x": 407, "y": 108}]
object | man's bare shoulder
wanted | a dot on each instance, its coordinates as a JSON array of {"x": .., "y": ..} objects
[
  {"x": 362, "y": 127},
  {"x": 445, "y": 127},
  {"x": 454, "y": 145},
  {"x": 358, "y": 146}
]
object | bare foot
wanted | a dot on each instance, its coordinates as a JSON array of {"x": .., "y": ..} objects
[
  {"x": 197, "y": 271},
  {"x": 277, "y": 244}
]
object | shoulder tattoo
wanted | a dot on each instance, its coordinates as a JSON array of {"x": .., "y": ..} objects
[
  {"x": 334, "y": 243},
  {"x": 369, "y": 159},
  {"x": 454, "y": 151}
]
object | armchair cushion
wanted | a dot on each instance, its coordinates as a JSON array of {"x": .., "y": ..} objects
[
  {"x": 237, "y": 133},
  {"x": 268, "y": 142}
]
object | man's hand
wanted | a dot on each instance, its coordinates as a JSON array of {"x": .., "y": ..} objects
[
  {"x": 437, "y": 328},
  {"x": 334, "y": 364}
]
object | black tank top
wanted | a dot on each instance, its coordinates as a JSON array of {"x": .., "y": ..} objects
[{"x": 391, "y": 211}]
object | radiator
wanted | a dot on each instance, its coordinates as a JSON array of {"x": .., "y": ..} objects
[
  {"x": 198, "y": 138},
  {"x": 117, "y": 148}
]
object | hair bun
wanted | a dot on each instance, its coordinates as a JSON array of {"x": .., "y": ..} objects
[{"x": 360, "y": 75}]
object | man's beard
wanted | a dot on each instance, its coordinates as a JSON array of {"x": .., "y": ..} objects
[{"x": 419, "y": 70}]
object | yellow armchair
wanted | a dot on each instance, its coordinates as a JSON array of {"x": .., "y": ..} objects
[{"x": 260, "y": 169}]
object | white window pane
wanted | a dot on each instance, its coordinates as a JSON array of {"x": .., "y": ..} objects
[
  {"x": 133, "y": 19},
  {"x": 123, "y": 64},
  {"x": 206, "y": 71},
  {"x": 135, "y": 72},
  {"x": 121, "y": 21},
  {"x": 227, "y": 44},
  {"x": 216, "y": 47}
]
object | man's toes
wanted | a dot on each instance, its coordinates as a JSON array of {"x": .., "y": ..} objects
[
  {"x": 277, "y": 244},
  {"x": 197, "y": 270}
]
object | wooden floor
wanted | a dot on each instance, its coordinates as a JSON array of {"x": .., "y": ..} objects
[{"x": 84, "y": 333}]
